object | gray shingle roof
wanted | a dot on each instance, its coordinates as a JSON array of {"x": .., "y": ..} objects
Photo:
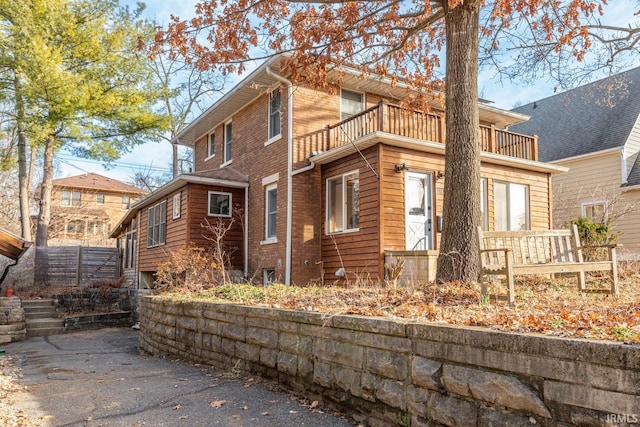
[
  {"x": 634, "y": 175},
  {"x": 594, "y": 117}
]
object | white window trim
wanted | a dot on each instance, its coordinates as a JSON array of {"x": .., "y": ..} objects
[
  {"x": 364, "y": 100},
  {"x": 347, "y": 230},
  {"x": 210, "y": 156},
  {"x": 224, "y": 143},
  {"x": 584, "y": 205},
  {"x": 209, "y": 204},
  {"x": 278, "y": 136},
  {"x": 267, "y": 239},
  {"x": 176, "y": 205},
  {"x": 270, "y": 179}
]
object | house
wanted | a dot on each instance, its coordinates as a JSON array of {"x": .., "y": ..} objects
[
  {"x": 323, "y": 183},
  {"x": 594, "y": 130},
  {"x": 85, "y": 207}
]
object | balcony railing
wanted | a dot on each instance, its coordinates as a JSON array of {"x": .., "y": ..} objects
[{"x": 396, "y": 120}]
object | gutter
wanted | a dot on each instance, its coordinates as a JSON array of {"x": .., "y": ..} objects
[{"x": 287, "y": 270}]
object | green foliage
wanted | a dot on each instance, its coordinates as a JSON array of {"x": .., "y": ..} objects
[
  {"x": 595, "y": 233},
  {"x": 79, "y": 75}
]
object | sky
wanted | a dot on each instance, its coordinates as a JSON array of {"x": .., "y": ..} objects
[{"x": 155, "y": 157}]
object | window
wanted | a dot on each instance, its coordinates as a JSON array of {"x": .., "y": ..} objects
[
  {"x": 271, "y": 211},
  {"x": 343, "y": 203},
  {"x": 274, "y": 113},
  {"x": 100, "y": 199},
  {"x": 219, "y": 204},
  {"x": 176, "y": 205},
  {"x": 228, "y": 128},
  {"x": 511, "y": 206},
  {"x": 157, "y": 225},
  {"x": 76, "y": 199},
  {"x": 75, "y": 227},
  {"x": 595, "y": 211},
  {"x": 268, "y": 276},
  {"x": 131, "y": 239},
  {"x": 126, "y": 201},
  {"x": 211, "y": 145},
  {"x": 96, "y": 228},
  {"x": 350, "y": 103},
  {"x": 66, "y": 198},
  {"x": 484, "y": 212}
]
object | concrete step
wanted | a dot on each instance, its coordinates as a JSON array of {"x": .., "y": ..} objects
[
  {"x": 44, "y": 323},
  {"x": 40, "y": 314},
  {"x": 28, "y": 304},
  {"x": 44, "y": 332}
]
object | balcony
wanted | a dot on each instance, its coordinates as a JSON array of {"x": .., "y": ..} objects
[{"x": 415, "y": 124}]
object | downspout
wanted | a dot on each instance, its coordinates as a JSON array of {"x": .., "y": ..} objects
[
  {"x": 246, "y": 232},
  {"x": 287, "y": 271}
]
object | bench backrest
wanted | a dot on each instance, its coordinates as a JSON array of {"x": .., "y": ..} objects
[{"x": 531, "y": 246}]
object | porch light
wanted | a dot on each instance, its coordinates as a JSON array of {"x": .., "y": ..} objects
[{"x": 402, "y": 167}]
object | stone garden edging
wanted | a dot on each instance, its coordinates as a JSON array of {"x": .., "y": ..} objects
[{"x": 390, "y": 372}]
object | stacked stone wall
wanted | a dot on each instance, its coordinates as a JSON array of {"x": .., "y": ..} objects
[{"x": 401, "y": 373}]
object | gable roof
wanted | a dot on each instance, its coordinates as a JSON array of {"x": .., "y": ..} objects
[
  {"x": 262, "y": 78},
  {"x": 93, "y": 181},
  {"x": 590, "y": 118}
]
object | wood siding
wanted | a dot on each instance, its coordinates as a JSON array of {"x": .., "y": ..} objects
[
  {"x": 358, "y": 252},
  {"x": 597, "y": 178}
]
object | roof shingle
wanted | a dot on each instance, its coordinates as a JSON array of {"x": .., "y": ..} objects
[
  {"x": 594, "y": 117},
  {"x": 93, "y": 181}
]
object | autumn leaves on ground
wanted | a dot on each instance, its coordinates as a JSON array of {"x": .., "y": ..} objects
[{"x": 550, "y": 307}]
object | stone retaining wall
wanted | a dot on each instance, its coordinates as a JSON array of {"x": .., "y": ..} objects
[
  {"x": 81, "y": 322},
  {"x": 402, "y": 373},
  {"x": 12, "y": 325}
]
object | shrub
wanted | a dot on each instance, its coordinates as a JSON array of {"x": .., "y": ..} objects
[
  {"x": 595, "y": 233},
  {"x": 189, "y": 270}
]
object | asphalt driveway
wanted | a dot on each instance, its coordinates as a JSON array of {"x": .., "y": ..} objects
[{"x": 98, "y": 378}]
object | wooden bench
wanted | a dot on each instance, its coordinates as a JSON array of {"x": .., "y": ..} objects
[{"x": 508, "y": 253}]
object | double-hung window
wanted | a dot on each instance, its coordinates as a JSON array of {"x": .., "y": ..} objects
[
  {"x": 511, "y": 206},
  {"x": 99, "y": 199},
  {"x": 211, "y": 145},
  {"x": 271, "y": 211},
  {"x": 343, "y": 203},
  {"x": 126, "y": 201},
  {"x": 228, "y": 135},
  {"x": 351, "y": 103},
  {"x": 274, "y": 113},
  {"x": 66, "y": 198},
  {"x": 157, "y": 224},
  {"x": 219, "y": 204},
  {"x": 595, "y": 211}
]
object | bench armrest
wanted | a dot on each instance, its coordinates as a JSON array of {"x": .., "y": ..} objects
[{"x": 609, "y": 246}]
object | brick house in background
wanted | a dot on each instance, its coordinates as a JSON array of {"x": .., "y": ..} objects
[
  {"x": 85, "y": 207},
  {"x": 325, "y": 185}
]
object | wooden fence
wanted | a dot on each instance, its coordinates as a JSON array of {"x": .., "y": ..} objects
[{"x": 75, "y": 265}]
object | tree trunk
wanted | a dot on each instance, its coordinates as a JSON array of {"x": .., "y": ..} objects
[
  {"x": 459, "y": 260},
  {"x": 44, "y": 216},
  {"x": 175, "y": 159},
  {"x": 23, "y": 176}
]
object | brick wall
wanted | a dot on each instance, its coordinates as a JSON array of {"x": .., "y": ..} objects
[{"x": 400, "y": 373}]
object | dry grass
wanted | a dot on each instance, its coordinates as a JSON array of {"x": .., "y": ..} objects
[{"x": 551, "y": 307}]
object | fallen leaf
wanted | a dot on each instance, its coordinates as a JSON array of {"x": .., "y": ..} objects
[
  {"x": 184, "y": 417},
  {"x": 218, "y": 403},
  {"x": 266, "y": 413},
  {"x": 313, "y": 404},
  {"x": 293, "y": 412},
  {"x": 245, "y": 408},
  {"x": 178, "y": 406},
  {"x": 135, "y": 388}
]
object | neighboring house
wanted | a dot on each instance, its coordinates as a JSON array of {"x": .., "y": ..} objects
[
  {"x": 594, "y": 130},
  {"x": 85, "y": 207},
  {"x": 322, "y": 184}
]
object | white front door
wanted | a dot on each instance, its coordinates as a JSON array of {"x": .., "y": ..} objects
[{"x": 418, "y": 211}]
